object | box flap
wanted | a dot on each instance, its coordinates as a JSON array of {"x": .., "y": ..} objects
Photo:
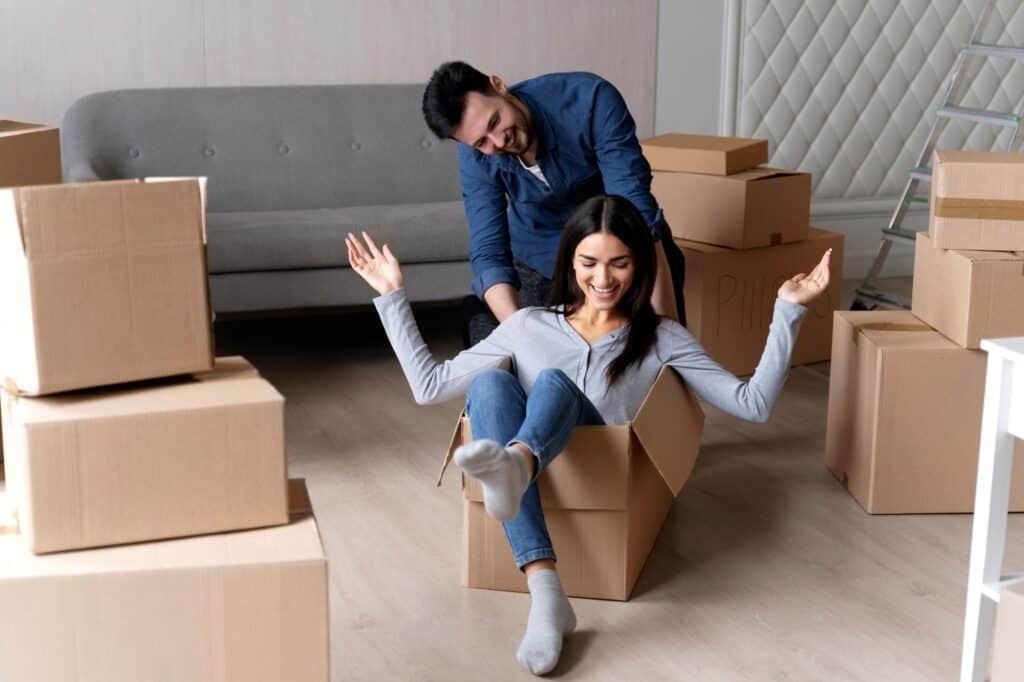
[
  {"x": 763, "y": 173},
  {"x": 298, "y": 497},
  {"x": 456, "y": 441},
  {"x": 715, "y": 143},
  {"x": 669, "y": 425},
  {"x": 14, "y": 127}
]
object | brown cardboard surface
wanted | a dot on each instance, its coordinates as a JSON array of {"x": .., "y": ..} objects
[
  {"x": 604, "y": 497},
  {"x": 977, "y": 201},
  {"x": 249, "y": 606},
  {"x": 29, "y": 154},
  {"x": 969, "y": 295},
  {"x": 904, "y": 416},
  {"x": 730, "y": 297},
  {"x": 704, "y": 153},
  {"x": 1007, "y": 654},
  {"x": 102, "y": 283},
  {"x": 162, "y": 459},
  {"x": 750, "y": 209}
]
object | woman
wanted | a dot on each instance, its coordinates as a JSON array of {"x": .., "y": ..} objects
[{"x": 588, "y": 359}]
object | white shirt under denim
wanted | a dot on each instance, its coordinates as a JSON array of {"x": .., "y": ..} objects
[{"x": 535, "y": 339}]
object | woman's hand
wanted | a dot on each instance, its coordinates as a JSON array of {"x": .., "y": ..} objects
[
  {"x": 378, "y": 267},
  {"x": 803, "y": 288}
]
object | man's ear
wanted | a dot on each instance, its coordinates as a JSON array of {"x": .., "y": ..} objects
[{"x": 498, "y": 85}]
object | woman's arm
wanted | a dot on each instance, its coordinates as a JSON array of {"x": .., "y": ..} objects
[
  {"x": 755, "y": 398},
  {"x": 429, "y": 380}
]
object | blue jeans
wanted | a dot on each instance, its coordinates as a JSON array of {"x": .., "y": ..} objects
[{"x": 500, "y": 410}]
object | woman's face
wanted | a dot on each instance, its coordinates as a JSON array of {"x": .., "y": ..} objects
[{"x": 604, "y": 269}]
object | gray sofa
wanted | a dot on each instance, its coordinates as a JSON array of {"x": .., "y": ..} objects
[{"x": 291, "y": 169}]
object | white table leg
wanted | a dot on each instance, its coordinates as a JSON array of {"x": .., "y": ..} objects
[{"x": 991, "y": 504}]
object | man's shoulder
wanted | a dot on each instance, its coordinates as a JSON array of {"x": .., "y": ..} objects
[{"x": 568, "y": 83}]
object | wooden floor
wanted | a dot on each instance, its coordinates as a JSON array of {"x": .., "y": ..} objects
[{"x": 766, "y": 568}]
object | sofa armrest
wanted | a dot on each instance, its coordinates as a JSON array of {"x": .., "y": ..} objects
[{"x": 82, "y": 171}]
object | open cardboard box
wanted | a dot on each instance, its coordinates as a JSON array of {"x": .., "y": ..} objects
[
  {"x": 904, "y": 416},
  {"x": 29, "y": 154},
  {"x": 102, "y": 283},
  {"x": 750, "y": 209},
  {"x": 605, "y": 498},
  {"x": 165, "y": 458},
  {"x": 249, "y": 606}
]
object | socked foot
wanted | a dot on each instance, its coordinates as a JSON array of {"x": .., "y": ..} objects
[
  {"x": 502, "y": 474},
  {"x": 551, "y": 618}
]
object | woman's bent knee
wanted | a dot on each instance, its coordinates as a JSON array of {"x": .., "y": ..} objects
[
  {"x": 554, "y": 377},
  {"x": 493, "y": 381}
]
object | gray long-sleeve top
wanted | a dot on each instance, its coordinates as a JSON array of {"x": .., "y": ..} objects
[{"x": 535, "y": 339}]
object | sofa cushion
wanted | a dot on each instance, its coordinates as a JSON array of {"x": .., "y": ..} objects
[{"x": 292, "y": 240}]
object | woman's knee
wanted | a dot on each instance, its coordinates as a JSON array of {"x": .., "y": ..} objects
[
  {"x": 492, "y": 383},
  {"x": 554, "y": 378}
]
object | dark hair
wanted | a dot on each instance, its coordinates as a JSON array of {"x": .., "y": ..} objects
[
  {"x": 444, "y": 98},
  {"x": 617, "y": 216}
]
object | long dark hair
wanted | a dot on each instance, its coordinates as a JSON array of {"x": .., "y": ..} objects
[{"x": 617, "y": 216}]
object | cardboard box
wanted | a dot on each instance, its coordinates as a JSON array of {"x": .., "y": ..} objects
[
  {"x": 168, "y": 458},
  {"x": 904, "y": 416},
  {"x": 704, "y": 153},
  {"x": 102, "y": 283},
  {"x": 29, "y": 154},
  {"x": 969, "y": 295},
  {"x": 605, "y": 498},
  {"x": 730, "y": 297},
  {"x": 237, "y": 607},
  {"x": 753, "y": 208},
  {"x": 977, "y": 201},
  {"x": 1007, "y": 654}
]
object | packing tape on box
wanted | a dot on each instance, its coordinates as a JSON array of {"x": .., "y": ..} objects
[{"x": 979, "y": 209}]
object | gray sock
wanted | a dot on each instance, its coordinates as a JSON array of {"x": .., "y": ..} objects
[
  {"x": 502, "y": 473},
  {"x": 551, "y": 618}
]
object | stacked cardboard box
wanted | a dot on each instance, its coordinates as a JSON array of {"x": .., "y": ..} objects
[
  {"x": 906, "y": 391},
  {"x": 120, "y": 427},
  {"x": 744, "y": 229}
]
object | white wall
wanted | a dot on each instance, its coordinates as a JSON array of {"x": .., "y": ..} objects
[
  {"x": 54, "y": 51},
  {"x": 690, "y": 42}
]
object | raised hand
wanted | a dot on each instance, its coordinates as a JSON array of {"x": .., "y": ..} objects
[
  {"x": 378, "y": 267},
  {"x": 803, "y": 288}
]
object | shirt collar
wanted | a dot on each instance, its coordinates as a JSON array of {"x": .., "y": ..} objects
[{"x": 546, "y": 139}]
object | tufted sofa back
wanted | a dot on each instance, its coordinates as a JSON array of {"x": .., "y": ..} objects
[{"x": 267, "y": 148}]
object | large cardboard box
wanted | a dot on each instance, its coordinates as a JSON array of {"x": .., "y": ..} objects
[
  {"x": 102, "y": 283},
  {"x": 249, "y": 606},
  {"x": 604, "y": 498},
  {"x": 704, "y": 153},
  {"x": 904, "y": 416},
  {"x": 969, "y": 295},
  {"x": 162, "y": 459},
  {"x": 1007, "y": 653},
  {"x": 977, "y": 201},
  {"x": 752, "y": 208},
  {"x": 29, "y": 154},
  {"x": 730, "y": 296}
]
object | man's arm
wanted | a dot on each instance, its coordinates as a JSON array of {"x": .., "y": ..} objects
[
  {"x": 663, "y": 298},
  {"x": 626, "y": 172},
  {"x": 495, "y": 279}
]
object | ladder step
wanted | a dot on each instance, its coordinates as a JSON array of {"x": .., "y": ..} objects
[
  {"x": 883, "y": 297},
  {"x": 979, "y": 116},
  {"x": 1007, "y": 51},
  {"x": 917, "y": 199},
  {"x": 900, "y": 232},
  {"x": 921, "y": 174}
]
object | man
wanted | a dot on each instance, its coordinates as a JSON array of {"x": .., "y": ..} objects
[{"x": 528, "y": 156}]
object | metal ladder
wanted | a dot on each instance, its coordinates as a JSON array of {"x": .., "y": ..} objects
[{"x": 921, "y": 172}]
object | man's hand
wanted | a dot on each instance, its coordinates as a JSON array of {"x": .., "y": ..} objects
[
  {"x": 502, "y": 299},
  {"x": 803, "y": 288},
  {"x": 379, "y": 268}
]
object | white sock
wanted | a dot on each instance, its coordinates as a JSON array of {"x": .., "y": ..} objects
[
  {"x": 551, "y": 618},
  {"x": 501, "y": 471}
]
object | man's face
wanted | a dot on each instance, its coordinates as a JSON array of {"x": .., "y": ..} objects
[{"x": 495, "y": 123}]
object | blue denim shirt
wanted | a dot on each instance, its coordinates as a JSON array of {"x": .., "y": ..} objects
[{"x": 586, "y": 146}]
